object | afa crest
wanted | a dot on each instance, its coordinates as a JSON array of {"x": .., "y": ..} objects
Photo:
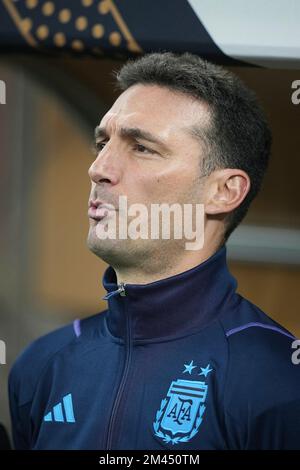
[{"x": 181, "y": 412}]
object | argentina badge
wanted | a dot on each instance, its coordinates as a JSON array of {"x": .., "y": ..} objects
[{"x": 181, "y": 412}]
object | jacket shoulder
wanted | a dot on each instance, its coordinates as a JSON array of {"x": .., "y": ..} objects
[
  {"x": 29, "y": 365},
  {"x": 255, "y": 340},
  {"x": 262, "y": 383},
  {"x": 245, "y": 315}
]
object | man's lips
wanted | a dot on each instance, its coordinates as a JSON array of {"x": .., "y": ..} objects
[
  {"x": 97, "y": 213},
  {"x": 98, "y": 210}
]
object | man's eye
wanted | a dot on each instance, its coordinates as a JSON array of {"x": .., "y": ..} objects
[
  {"x": 98, "y": 146},
  {"x": 140, "y": 148}
]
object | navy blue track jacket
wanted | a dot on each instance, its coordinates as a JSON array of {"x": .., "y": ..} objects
[{"x": 183, "y": 363}]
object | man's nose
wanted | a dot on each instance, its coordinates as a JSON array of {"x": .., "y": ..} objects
[{"x": 104, "y": 169}]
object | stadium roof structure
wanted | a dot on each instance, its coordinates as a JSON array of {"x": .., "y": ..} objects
[{"x": 233, "y": 31}]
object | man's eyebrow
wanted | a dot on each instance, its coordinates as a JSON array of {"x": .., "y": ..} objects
[{"x": 133, "y": 133}]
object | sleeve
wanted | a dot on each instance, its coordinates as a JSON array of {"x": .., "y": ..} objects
[
  {"x": 278, "y": 427},
  {"x": 24, "y": 376},
  {"x": 17, "y": 415},
  {"x": 262, "y": 393}
]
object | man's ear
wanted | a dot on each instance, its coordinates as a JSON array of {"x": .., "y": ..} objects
[{"x": 225, "y": 190}]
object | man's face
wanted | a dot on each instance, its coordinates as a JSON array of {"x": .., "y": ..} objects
[{"x": 147, "y": 153}]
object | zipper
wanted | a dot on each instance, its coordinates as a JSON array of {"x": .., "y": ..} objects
[
  {"x": 120, "y": 290},
  {"x": 128, "y": 351}
]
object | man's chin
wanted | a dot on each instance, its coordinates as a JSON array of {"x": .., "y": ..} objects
[{"x": 108, "y": 250}]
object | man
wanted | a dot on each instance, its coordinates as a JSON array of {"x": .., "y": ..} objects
[{"x": 179, "y": 360}]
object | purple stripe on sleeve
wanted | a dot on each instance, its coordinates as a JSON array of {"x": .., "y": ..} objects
[
  {"x": 76, "y": 326},
  {"x": 260, "y": 325}
]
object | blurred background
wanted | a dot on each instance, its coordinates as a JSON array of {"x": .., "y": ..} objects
[{"x": 52, "y": 105}]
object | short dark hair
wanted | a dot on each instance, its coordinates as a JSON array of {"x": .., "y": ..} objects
[{"x": 239, "y": 136}]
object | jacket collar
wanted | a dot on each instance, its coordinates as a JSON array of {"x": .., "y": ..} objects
[{"x": 172, "y": 307}]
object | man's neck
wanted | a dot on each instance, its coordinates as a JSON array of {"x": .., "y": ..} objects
[{"x": 163, "y": 268}]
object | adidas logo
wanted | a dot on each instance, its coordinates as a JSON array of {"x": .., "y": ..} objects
[{"x": 57, "y": 412}]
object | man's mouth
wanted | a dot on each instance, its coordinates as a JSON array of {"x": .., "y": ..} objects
[{"x": 98, "y": 210}]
